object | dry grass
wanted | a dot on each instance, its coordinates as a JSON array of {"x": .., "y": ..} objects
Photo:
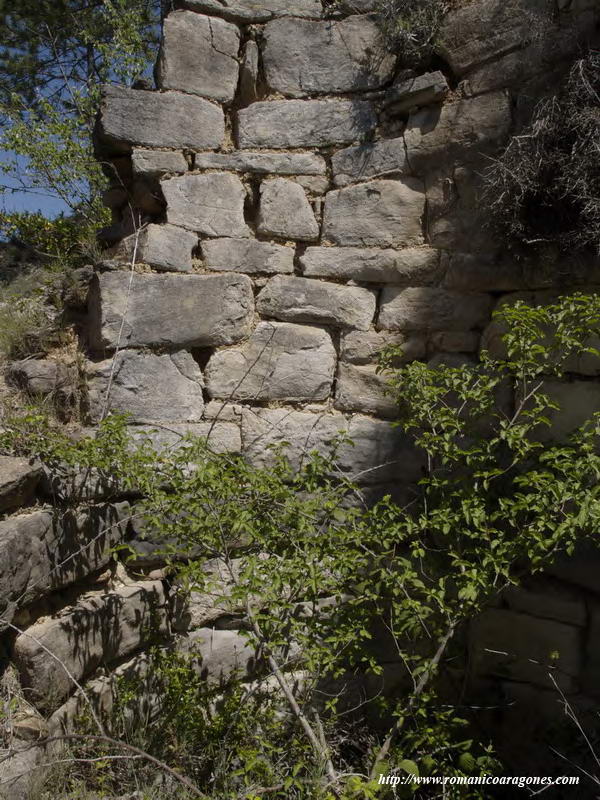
[{"x": 545, "y": 188}]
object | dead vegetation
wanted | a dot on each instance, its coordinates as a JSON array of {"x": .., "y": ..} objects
[{"x": 545, "y": 187}]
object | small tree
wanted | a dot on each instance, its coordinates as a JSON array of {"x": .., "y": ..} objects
[{"x": 54, "y": 55}]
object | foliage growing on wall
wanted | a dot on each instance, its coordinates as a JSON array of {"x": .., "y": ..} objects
[{"x": 313, "y": 574}]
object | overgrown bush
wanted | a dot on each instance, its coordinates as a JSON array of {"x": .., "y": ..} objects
[
  {"x": 545, "y": 188},
  {"x": 313, "y": 574}
]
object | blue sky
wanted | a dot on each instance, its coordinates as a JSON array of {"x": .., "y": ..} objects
[{"x": 19, "y": 200}]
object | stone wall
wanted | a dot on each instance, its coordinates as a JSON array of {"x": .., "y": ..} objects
[{"x": 287, "y": 203}]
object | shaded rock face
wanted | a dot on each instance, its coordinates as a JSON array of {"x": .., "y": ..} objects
[{"x": 287, "y": 204}]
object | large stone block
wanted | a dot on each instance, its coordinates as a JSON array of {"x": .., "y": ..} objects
[
  {"x": 211, "y": 204},
  {"x": 365, "y": 161},
  {"x": 220, "y": 437},
  {"x": 306, "y": 300},
  {"x": 169, "y": 310},
  {"x": 416, "y": 92},
  {"x": 263, "y": 163},
  {"x": 379, "y": 453},
  {"x": 247, "y": 11},
  {"x": 457, "y": 131},
  {"x": 423, "y": 309},
  {"x": 500, "y": 43},
  {"x": 202, "y": 607},
  {"x": 363, "y": 389},
  {"x": 302, "y": 57},
  {"x": 154, "y": 163},
  {"x": 549, "y": 599},
  {"x": 219, "y": 655},
  {"x": 477, "y": 273},
  {"x": 523, "y": 648},
  {"x": 157, "y": 119},
  {"x": 19, "y": 478},
  {"x": 149, "y": 387},
  {"x": 285, "y": 212},
  {"x": 247, "y": 255},
  {"x": 300, "y": 432},
  {"x": 376, "y": 214},
  {"x": 101, "y": 628},
  {"x": 577, "y": 400},
  {"x": 280, "y": 361},
  {"x": 44, "y": 551},
  {"x": 43, "y": 377},
  {"x": 165, "y": 247},
  {"x": 413, "y": 266},
  {"x": 199, "y": 56},
  {"x": 364, "y": 347},
  {"x": 282, "y": 124}
]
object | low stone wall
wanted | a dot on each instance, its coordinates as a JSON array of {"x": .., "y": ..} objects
[{"x": 285, "y": 205}]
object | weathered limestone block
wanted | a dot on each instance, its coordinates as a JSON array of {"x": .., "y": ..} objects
[
  {"x": 306, "y": 300},
  {"x": 149, "y": 387},
  {"x": 155, "y": 163},
  {"x": 549, "y": 599},
  {"x": 211, "y": 204},
  {"x": 364, "y": 347},
  {"x": 103, "y": 691},
  {"x": 101, "y": 628},
  {"x": 376, "y": 214},
  {"x": 302, "y": 57},
  {"x": 225, "y": 412},
  {"x": 456, "y": 341},
  {"x": 249, "y": 70},
  {"x": 483, "y": 31},
  {"x": 476, "y": 273},
  {"x": 578, "y": 402},
  {"x": 457, "y": 220},
  {"x": 422, "y": 90},
  {"x": 361, "y": 388},
  {"x": 365, "y": 161},
  {"x": 246, "y": 11},
  {"x": 219, "y": 654},
  {"x": 525, "y": 640},
  {"x": 203, "y": 607},
  {"x": 164, "y": 247},
  {"x": 198, "y": 55},
  {"x": 157, "y": 119},
  {"x": 457, "y": 130},
  {"x": 580, "y": 568},
  {"x": 413, "y": 266},
  {"x": 499, "y": 43},
  {"x": 43, "y": 377},
  {"x": 18, "y": 481},
  {"x": 247, "y": 255},
  {"x": 262, "y": 429},
  {"x": 280, "y": 361},
  {"x": 263, "y": 163},
  {"x": 285, "y": 211},
  {"x": 37, "y": 550},
  {"x": 282, "y": 124},
  {"x": 221, "y": 437},
  {"x": 169, "y": 310},
  {"x": 422, "y": 309},
  {"x": 379, "y": 454}
]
